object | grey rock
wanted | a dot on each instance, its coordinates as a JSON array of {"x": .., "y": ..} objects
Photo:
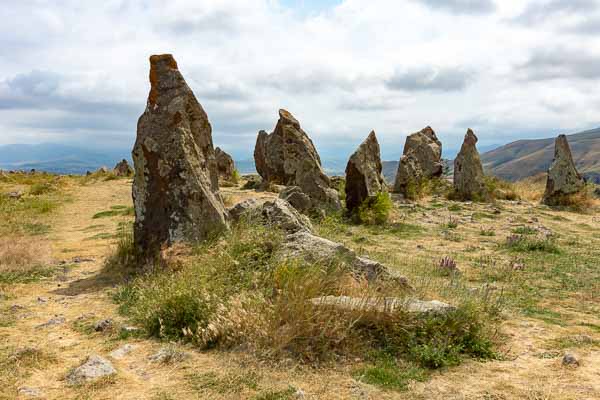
[
  {"x": 122, "y": 351},
  {"x": 28, "y": 391},
  {"x": 242, "y": 208},
  {"x": 103, "y": 325},
  {"x": 175, "y": 188},
  {"x": 469, "y": 182},
  {"x": 288, "y": 157},
  {"x": 52, "y": 322},
  {"x": 297, "y": 198},
  {"x": 421, "y": 159},
  {"x": 364, "y": 178},
  {"x": 570, "y": 360},
  {"x": 563, "y": 178},
  {"x": 279, "y": 213},
  {"x": 384, "y": 305},
  {"x": 16, "y": 195},
  {"x": 95, "y": 367},
  {"x": 102, "y": 170},
  {"x": 168, "y": 355},
  {"x": 123, "y": 169},
  {"x": 225, "y": 164},
  {"x": 313, "y": 248}
]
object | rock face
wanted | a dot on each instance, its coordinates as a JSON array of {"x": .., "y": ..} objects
[
  {"x": 175, "y": 188},
  {"x": 288, "y": 157},
  {"x": 469, "y": 183},
  {"x": 93, "y": 368},
  {"x": 297, "y": 198},
  {"x": 421, "y": 159},
  {"x": 563, "y": 178},
  {"x": 225, "y": 164},
  {"x": 364, "y": 179},
  {"x": 123, "y": 169}
]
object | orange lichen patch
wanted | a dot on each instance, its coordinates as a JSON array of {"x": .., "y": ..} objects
[{"x": 155, "y": 62}]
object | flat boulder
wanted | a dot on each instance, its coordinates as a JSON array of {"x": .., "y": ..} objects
[
  {"x": 288, "y": 157},
  {"x": 94, "y": 368},
  {"x": 123, "y": 169},
  {"x": 276, "y": 214},
  {"x": 364, "y": 178},
  {"x": 421, "y": 159},
  {"x": 469, "y": 179},
  {"x": 225, "y": 164},
  {"x": 175, "y": 187},
  {"x": 563, "y": 179}
]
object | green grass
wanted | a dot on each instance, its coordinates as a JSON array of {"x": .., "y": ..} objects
[
  {"x": 285, "y": 394},
  {"x": 524, "y": 230},
  {"x": 389, "y": 374},
  {"x": 26, "y": 275},
  {"x": 229, "y": 383},
  {"x": 525, "y": 244},
  {"x": 115, "y": 211}
]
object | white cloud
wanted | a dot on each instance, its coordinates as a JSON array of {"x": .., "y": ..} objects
[{"x": 78, "y": 72}]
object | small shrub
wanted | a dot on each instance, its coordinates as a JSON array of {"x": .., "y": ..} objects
[
  {"x": 375, "y": 210},
  {"x": 387, "y": 373},
  {"x": 528, "y": 244},
  {"x": 452, "y": 223},
  {"x": 447, "y": 265},
  {"x": 487, "y": 232},
  {"x": 235, "y": 177},
  {"x": 499, "y": 189},
  {"x": 524, "y": 230}
]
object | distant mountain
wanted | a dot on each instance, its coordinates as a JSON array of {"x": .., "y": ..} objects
[
  {"x": 524, "y": 158},
  {"x": 57, "y": 158}
]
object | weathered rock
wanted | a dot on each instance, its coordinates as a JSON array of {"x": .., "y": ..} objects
[
  {"x": 288, "y": 157},
  {"x": 421, "y": 159},
  {"x": 277, "y": 214},
  {"x": 122, "y": 351},
  {"x": 168, "y": 355},
  {"x": 313, "y": 248},
  {"x": 28, "y": 391},
  {"x": 16, "y": 195},
  {"x": 175, "y": 188},
  {"x": 52, "y": 322},
  {"x": 95, "y": 367},
  {"x": 102, "y": 170},
  {"x": 570, "y": 360},
  {"x": 103, "y": 325},
  {"x": 297, "y": 198},
  {"x": 384, "y": 305},
  {"x": 252, "y": 182},
  {"x": 123, "y": 169},
  {"x": 469, "y": 183},
  {"x": 225, "y": 164},
  {"x": 364, "y": 178},
  {"x": 563, "y": 178}
]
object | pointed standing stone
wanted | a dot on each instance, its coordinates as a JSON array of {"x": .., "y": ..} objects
[
  {"x": 175, "y": 188},
  {"x": 421, "y": 160},
  {"x": 363, "y": 173},
  {"x": 469, "y": 182},
  {"x": 563, "y": 178},
  {"x": 225, "y": 164},
  {"x": 288, "y": 157}
]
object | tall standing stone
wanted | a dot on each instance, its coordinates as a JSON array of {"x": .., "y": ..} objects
[
  {"x": 175, "y": 188},
  {"x": 288, "y": 157},
  {"x": 469, "y": 179},
  {"x": 225, "y": 164},
  {"x": 563, "y": 178},
  {"x": 364, "y": 177},
  {"x": 421, "y": 160}
]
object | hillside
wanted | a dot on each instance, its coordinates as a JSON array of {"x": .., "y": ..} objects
[{"x": 524, "y": 158}]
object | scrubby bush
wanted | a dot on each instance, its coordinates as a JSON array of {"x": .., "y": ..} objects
[
  {"x": 417, "y": 189},
  {"x": 375, "y": 210},
  {"x": 500, "y": 189},
  {"x": 528, "y": 244}
]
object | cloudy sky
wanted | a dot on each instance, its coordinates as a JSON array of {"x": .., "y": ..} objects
[{"x": 76, "y": 72}]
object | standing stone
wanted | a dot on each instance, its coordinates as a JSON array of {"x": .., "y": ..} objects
[
  {"x": 469, "y": 182},
  {"x": 225, "y": 164},
  {"x": 563, "y": 178},
  {"x": 175, "y": 188},
  {"x": 364, "y": 179},
  {"x": 288, "y": 157},
  {"x": 123, "y": 169},
  {"x": 421, "y": 160}
]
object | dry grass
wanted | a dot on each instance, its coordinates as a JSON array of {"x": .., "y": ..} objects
[{"x": 531, "y": 189}]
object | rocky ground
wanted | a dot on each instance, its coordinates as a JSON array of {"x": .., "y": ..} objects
[{"x": 52, "y": 324}]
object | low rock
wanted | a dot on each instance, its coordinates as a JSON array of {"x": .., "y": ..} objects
[
  {"x": 314, "y": 249},
  {"x": 278, "y": 213},
  {"x": 168, "y": 355},
  {"x": 52, "y": 322},
  {"x": 236, "y": 212},
  {"x": 16, "y": 195},
  {"x": 103, "y": 325},
  {"x": 225, "y": 164},
  {"x": 102, "y": 170},
  {"x": 570, "y": 360},
  {"x": 297, "y": 198},
  {"x": 29, "y": 391},
  {"x": 122, "y": 351},
  {"x": 95, "y": 367},
  {"x": 384, "y": 305}
]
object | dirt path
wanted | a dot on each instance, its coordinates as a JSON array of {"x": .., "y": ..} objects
[{"x": 55, "y": 316}]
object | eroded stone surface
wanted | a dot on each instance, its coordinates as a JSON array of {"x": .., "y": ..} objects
[
  {"x": 95, "y": 367},
  {"x": 225, "y": 164},
  {"x": 175, "y": 187},
  {"x": 364, "y": 178},
  {"x": 563, "y": 178},
  {"x": 288, "y": 157},
  {"x": 384, "y": 305},
  {"x": 469, "y": 182},
  {"x": 123, "y": 169},
  {"x": 421, "y": 159}
]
